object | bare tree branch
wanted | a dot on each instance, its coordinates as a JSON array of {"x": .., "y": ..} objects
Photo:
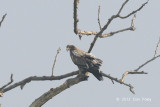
[
  {"x": 132, "y": 28},
  {"x": 132, "y": 22},
  {"x": 131, "y": 72},
  {"x": 109, "y": 21},
  {"x": 112, "y": 33},
  {"x": 122, "y": 7},
  {"x": 99, "y": 23},
  {"x": 80, "y": 32},
  {"x": 58, "y": 51},
  {"x": 146, "y": 63},
  {"x": 157, "y": 48},
  {"x": 137, "y": 69},
  {"x": 119, "y": 81},
  {"x": 133, "y": 12},
  {"x": 54, "y": 91},
  {"x": 2, "y": 19},
  {"x": 11, "y": 80},
  {"x": 2, "y": 88},
  {"x": 86, "y": 32},
  {"x": 76, "y": 20},
  {"x": 100, "y": 33},
  {"x": 35, "y": 78}
]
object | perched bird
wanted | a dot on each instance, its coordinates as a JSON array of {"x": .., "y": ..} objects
[{"x": 86, "y": 62}]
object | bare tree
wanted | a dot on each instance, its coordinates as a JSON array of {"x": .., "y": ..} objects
[{"x": 79, "y": 78}]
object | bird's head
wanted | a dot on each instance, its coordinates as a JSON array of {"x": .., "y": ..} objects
[{"x": 70, "y": 47}]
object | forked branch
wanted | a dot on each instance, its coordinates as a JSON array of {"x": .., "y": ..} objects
[
  {"x": 131, "y": 28},
  {"x": 2, "y": 88},
  {"x": 36, "y": 78},
  {"x": 121, "y": 81},
  {"x": 110, "y": 20},
  {"x": 147, "y": 62}
]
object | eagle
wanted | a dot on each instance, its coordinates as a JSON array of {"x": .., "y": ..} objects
[{"x": 86, "y": 62}]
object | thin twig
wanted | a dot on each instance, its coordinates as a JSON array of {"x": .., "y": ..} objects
[
  {"x": 122, "y": 7},
  {"x": 132, "y": 22},
  {"x": 2, "y": 19},
  {"x": 58, "y": 50},
  {"x": 67, "y": 84},
  {"x": 133, "y": 12},
  {"x": 146, "y": 63},
  {"x": 99, "y": 18},
  {"x": 157, "y": 48}
]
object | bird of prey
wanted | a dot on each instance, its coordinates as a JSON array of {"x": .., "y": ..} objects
[{"x": 86, "y": 62}]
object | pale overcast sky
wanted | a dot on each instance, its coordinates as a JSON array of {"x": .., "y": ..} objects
[{"x": 34, "y": 29}]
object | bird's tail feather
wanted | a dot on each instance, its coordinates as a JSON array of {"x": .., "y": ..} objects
[{"x": 96, "y": 73}]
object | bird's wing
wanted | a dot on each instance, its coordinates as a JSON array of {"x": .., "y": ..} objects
[
  {"x": 93, "y": 60},
  {"x": 84, "y": 59},
  {"x": 78, "y": 58},
  {"x": 94, "y": 65},
  {"x": 75, "y": 53}
]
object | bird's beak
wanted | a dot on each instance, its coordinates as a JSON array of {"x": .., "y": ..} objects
[{"x": 67, "y": 49}]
